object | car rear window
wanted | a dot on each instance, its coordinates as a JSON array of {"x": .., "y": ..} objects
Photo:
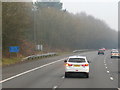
[
  {"x": 100, "y": 50},
  {"x": 115, "y": 52},
  {"x": 78, "y": 60}
]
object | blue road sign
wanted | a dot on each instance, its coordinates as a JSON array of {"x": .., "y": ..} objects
[{"x": 14, "y": 49}]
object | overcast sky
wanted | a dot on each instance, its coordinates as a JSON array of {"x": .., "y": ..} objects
[{"x": 106, "y": 10}]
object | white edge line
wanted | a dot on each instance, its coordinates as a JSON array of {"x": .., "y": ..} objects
[{"x": 29, "y": 71}]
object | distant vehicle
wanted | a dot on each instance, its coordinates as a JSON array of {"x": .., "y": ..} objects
[
  {"x": 76, "y": 64},
  {"x": 103, "y": 49},
  {"x": 114, "y": 50},
  {"x": 115, "y": 54},
  {"x": 100, "y": 52}
]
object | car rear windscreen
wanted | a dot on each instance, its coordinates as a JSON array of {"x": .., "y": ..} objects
[
  {"x": 78, "y": 60},
  {"x": 115, "y": 52},
  {"x": 100, "y": 50}
]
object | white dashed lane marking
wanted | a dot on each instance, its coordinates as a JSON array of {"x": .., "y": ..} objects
[
  {"x": 55, "y": 87},
  {"x": 111, "y": 78},
  {"x": 108, "y": 71},
  {"x": 63, "y": 77}
]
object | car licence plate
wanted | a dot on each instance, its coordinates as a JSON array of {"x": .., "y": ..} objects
[{"x": 76, "y": 65}]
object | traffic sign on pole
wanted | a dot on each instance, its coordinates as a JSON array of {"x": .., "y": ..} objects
[
  {"x": 39, "y": 47},
  {"x": 14, "y": 49}
]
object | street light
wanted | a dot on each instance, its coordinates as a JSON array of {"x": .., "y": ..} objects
[{"x": 37, "y": 46}]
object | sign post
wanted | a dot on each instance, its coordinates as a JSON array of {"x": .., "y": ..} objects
[
  {"x": 13, "y": 49},
  {"x": 39, "y": 47}
]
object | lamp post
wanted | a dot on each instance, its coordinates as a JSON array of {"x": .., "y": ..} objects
[{"x": 38, "y": 46}]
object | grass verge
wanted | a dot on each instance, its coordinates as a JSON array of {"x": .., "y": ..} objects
[{"x": 9, "y": 61}]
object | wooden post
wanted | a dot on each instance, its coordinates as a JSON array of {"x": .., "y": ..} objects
[
  {"x": 17, "y": 54},
  {"x": 9, "y": 54}
]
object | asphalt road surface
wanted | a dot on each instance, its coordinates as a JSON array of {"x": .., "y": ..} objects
[{"x": 49, "y": 73}]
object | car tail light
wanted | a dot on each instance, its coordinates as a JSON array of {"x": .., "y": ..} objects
[
  {"x": 85, "y": 65},
  {"x": 67, "y": 64}
]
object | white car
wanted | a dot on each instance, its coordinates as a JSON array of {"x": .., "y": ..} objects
[
  {"x": 77, "y": 64},
  {"x": 115, "y": 54},
  {"x": 114, "y": 50}
]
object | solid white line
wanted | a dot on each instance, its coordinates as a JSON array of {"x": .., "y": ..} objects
[
  {"x": 29, "y": 71},
  {"x": 111, "y": 78}
]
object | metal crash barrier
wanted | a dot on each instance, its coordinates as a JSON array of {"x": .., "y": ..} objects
[{"x": 38, "y": 56}]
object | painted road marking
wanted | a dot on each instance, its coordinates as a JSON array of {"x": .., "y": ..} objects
[
  {"x": 55, "y": 87},
  {"x": 30, "y": 71},
  {"x": 63, "y": 77},
  {"x": 107, "y": 67},
  {"x": 111, "y": 78},
  {"x": 108, "y": 71}
]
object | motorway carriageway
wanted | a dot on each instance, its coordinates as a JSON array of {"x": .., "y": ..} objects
[{"x": 49, "y": 73}]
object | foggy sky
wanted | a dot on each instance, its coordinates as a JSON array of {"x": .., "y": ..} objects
[{"x": 106, "y": 10}]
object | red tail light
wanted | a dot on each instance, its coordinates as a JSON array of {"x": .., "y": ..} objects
[
  {"x": 85, "y": 65},
  {"x": 67, "y": 64}
]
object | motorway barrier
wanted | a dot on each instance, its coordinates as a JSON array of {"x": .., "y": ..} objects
[
  {"x": 38, "y": 56},
  {"x": 32, "y": 57},
  {"x": 82, "y": 50}
]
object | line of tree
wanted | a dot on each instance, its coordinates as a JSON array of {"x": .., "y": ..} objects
[
  {"x": 0, "y": 29},
  {"x": 59, "y": 29},
  {"x": 17, "y": 25},
  {"x": 53, "y": 27}
]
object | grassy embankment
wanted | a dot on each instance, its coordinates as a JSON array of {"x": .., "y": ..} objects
[{"x": 9, "y": 61}]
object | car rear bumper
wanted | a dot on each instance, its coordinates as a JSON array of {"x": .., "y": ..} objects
[
  {"x": 85, "y": 70},
  {"x": 115, "y": 56},
  {"x": 77, "y": 72},
  {"x": 100, "y": 53}
]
